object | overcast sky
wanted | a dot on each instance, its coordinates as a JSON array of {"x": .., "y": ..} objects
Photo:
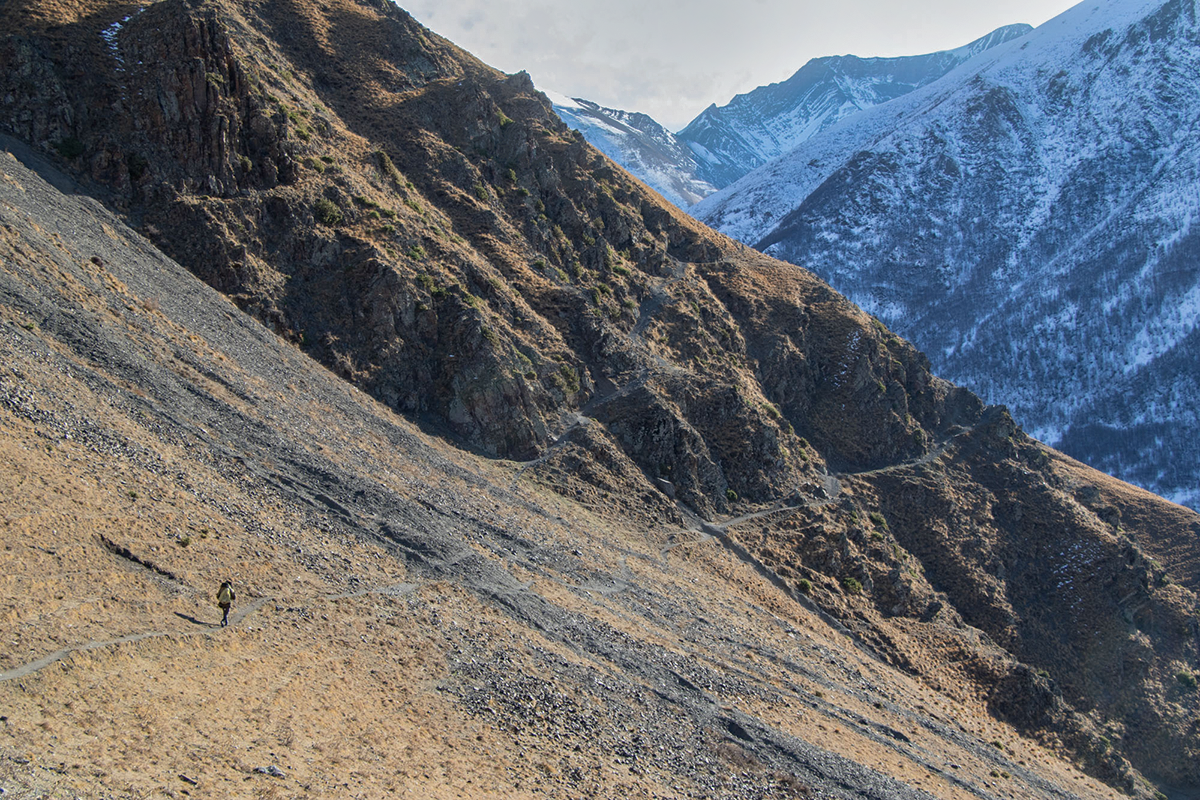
[{"x": 672, "y": 58}]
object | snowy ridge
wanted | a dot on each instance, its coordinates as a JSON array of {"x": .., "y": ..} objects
[
  {"x": 723, "y": 144},
  {"x": 638, "y": 143},
  {"x": 1030, "y": 220},
  {"x": 756, "y": 127}
]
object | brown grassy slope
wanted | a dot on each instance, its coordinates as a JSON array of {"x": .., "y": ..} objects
[
  {"x": 427, "y": 229},
  {"x": 410, "y": 619}
]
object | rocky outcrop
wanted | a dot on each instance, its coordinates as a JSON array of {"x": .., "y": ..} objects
[{"x": 151, "y": 102}]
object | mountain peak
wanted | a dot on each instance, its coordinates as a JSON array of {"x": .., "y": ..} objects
[
  {"x": 724, "y": 143},
  {"x": 641, "y": 145},
  {"x": 761, "y": 125}
]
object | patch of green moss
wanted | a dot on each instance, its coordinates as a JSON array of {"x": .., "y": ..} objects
[{"x": 327, "y": 213}]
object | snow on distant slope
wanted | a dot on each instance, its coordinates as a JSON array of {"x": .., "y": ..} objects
[
  {"x": 1031, "y": 220},
  {"x": 724, "y": 143},
  {"x": 758, "y": 126},
  {"x": 638, "y": 143}
]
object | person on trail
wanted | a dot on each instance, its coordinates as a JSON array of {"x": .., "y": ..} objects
[{"x": 225, "y": 598}]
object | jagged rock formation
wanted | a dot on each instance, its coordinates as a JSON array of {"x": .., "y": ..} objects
[
  {"x": 1029, "y": 222},
  {"x": 431, "y": 232}
]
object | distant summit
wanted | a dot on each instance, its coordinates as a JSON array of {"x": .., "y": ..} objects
[
  {"x": 641, "y": 145},
  {"x": 724, "y": 143},
  {"x": 753, "y": 128}
]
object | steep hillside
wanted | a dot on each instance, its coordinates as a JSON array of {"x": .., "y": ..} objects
[
  {"x": 410, "y": 619},
  {"x": 753, "y": 128},
  {"x": 703, "y": 506},
  {"x": 639, "y": 144},
  {"x": 1029, "y": 221}
]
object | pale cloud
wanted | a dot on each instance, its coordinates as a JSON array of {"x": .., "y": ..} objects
[{"x": 671, "y": 59}]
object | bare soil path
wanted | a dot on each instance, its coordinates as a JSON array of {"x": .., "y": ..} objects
[{"x": 236, "y": 617}]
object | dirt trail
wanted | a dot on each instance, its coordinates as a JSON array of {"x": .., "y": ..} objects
[
  {"x": 831, "y": 488},
  {"x": 45, "y": 661},
  {"x": 236, "y": 617}
]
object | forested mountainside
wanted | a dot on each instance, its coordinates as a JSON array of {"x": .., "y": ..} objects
[
  {"x": 1029, "y": 222},
  {"x": 677, "y": 518}
]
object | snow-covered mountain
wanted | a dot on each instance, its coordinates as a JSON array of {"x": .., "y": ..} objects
[
  {"x": 1032, "y": 220},
  {"x": 641, "y": 145},
  {"x": 753, "y": 128},
  {"x": 724, "y": 143}
]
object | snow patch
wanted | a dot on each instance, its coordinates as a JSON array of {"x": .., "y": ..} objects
[{"x": 561, "y": 100}]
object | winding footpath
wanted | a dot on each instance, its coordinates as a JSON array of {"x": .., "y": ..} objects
[{"x": 234, "y": 618}]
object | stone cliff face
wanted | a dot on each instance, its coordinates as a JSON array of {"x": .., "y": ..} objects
[{"x": 428, "y": 229}]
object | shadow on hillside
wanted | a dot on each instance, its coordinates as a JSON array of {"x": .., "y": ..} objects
[
  {"x": 37, "y": 163},
  {"x": 195, "y": 621}
]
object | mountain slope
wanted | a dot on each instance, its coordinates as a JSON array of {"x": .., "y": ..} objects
[
  {"x": 410, "y": 617},
  {"x": 1028, "y": 220},
  {"x": 754, "y": 128},
  {"x": 670, "y": 446},
  {"x": 640, "y": 145}
]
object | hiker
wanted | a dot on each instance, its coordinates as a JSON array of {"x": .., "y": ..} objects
[{"x": 225, "y": 598}]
